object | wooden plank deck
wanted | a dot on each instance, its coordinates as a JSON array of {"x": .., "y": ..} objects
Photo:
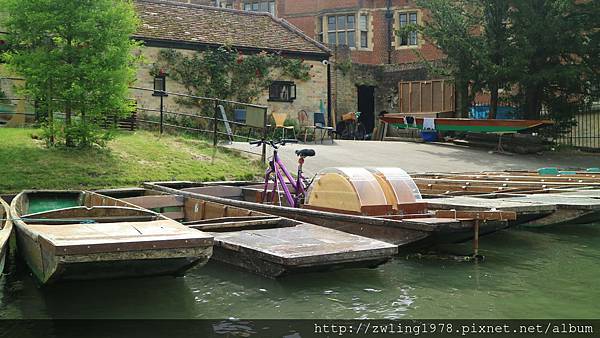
[
  {"x": 303, "y": 245},
  {"x": 504, "y": 204}
]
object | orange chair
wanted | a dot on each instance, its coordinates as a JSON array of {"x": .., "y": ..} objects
[{"x": 280, "y": 123}]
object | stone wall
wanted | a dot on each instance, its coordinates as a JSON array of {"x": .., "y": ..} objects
[
  {"x": 309, "y": 94},
  {"x": 347, "y": 76}
]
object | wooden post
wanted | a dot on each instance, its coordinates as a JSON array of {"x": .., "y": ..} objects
[
  {"x": 264, "y": 136},
  {"x": 161, "y": 113},
  {"x": 215, "y": 126},
  {"x": 476, "y": 238}
]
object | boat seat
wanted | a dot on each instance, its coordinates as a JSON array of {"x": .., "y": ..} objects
[{"x": 305, "y": 152}]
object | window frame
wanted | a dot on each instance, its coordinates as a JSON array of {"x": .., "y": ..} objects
[
  {"x": 257, "y": 5},
  {"x": 337, "y": 31},
  {"x": 413, "y": 40},
  {"x": 289, "y": 86}
]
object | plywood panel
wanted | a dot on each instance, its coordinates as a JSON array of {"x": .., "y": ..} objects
[{"x": 435, "y": 96}]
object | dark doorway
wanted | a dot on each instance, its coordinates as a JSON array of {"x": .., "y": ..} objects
[{"x": 366, "y": 106}]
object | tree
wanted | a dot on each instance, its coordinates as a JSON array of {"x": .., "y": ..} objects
[
  {"x": 454, "y": 27},
  {"x": 499, "y": 50},
  {"x": 558, "y": 53},
  {"x": 226, "y": 73},
  {"x": 76, "y": 58}
]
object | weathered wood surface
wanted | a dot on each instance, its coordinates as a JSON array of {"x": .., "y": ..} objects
[
  {"x": 503, "y": 204},
  {"x": 6, "y": 229},
  {"x": 591, "y": 193},
  {"x": 480, "y": 215},
  {"x": 241, "y": 225},
  {"x": 402, "y": 232},
  {"x": 273, "y": 246},
  {"x": 303, "y": 245},
  {"x": 562, "y": 201},
  {"x": 156, "y": 202},
  {"x": 81, "y": 241},
  {"x": 501, "y": 183},
  {"x": 506, "y": 177}
]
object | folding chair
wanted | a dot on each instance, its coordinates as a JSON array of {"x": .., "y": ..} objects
[
  {"x": 280, "y": 123},
  {"x": 321, "y": 125}
]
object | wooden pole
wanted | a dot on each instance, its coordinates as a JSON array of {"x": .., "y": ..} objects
[
  {"x": 215, "y": 126},
  {"x": 264, "y": 137},
  {"x": 161, "y": 113},
  {"x": 476, "y": 238}
]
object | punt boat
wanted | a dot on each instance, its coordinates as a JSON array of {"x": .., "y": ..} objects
[
  {"x": 409, "y": 225},
  {"x": 67, "y": 235},
  {"x": 264, "y": 244},
  {"x": 538, "y": 200},
  {"x": 466, "y": 125},
  {"x": 6, "y": 227}
]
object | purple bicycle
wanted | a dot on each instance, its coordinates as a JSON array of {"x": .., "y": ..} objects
[{"x": 294, "y": 189}]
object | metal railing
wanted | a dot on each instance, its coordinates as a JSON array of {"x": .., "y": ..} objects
[
  {"x": 585, "y": 135},
  {"x": 217, "y": 124}
]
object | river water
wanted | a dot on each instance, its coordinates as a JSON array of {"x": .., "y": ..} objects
[{"x": 547, "y": 273}]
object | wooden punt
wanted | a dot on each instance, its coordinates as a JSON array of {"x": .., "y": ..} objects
[
  {"x": 68, "y": 235},
  {"x": 468, "y": 125},
  {"x": 413, "y": 230},
  {"x": 6, "y": 228},
  {"x": 264, "y": 244}
]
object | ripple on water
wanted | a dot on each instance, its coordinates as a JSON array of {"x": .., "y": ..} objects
[{"x": 543, "y": 273}]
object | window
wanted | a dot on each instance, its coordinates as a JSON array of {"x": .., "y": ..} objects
[
  {"x": 409, "y": 18},
  {"x": 344, "y": 30},
  {"x": 282, "y": 91},
  {"x": 341, "y": 30},
  {"x": 364, "y": 31},
  {"x": 320, "y": 29},
  {"x": 260, "y": 6},
  {"x": 225, "y": 4}
]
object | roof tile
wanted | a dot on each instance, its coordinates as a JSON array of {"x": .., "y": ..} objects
[{"x": 165, "y": 20}]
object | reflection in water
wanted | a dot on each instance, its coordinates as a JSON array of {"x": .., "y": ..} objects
[{"x": 548, "y": 273}]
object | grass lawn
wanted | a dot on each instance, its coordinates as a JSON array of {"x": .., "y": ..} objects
[{"x": 131, "y": 158}]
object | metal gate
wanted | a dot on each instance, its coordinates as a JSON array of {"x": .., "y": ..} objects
[{"x": 586, "y": 134}]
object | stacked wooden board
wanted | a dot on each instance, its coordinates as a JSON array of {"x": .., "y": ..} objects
[{"x": 570, "y": 197}]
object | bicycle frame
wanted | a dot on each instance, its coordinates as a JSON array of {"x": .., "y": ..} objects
[{"x": 276, "y": 167}]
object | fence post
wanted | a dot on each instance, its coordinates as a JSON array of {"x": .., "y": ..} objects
[
  {"x": 161, "y": 113},
  {"x": 215, "y": 126},
  {"x": 264, "y": 136}
]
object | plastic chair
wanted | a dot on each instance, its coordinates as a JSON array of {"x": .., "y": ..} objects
[
  {"x": 321, "y": 125},
  {"x": 280, "y": 123},
  {"x": 305, "y": 124}
]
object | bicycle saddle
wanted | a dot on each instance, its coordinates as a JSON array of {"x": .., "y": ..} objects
[{"x": 305, "y": 153}]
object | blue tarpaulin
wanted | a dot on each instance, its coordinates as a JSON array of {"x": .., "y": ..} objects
[{"x": 503, "y": 113}]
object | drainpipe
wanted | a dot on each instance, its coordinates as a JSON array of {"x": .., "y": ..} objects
[
  {"x": 389, "y": 16},
  {"x": 329, "y": 117}
]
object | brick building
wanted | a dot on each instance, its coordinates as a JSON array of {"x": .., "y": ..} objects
[
  {"x": 189, "y": 28},
  {"x": 366, "y": 26},
  {"x": 369, "y": 59}
]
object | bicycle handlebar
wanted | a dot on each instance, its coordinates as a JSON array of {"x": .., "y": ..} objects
[{"x": 273, "y": 143}]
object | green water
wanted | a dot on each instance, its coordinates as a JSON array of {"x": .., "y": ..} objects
[
  {"x": 42, "y": 203},
  {"x": 549, "y": 273}
]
